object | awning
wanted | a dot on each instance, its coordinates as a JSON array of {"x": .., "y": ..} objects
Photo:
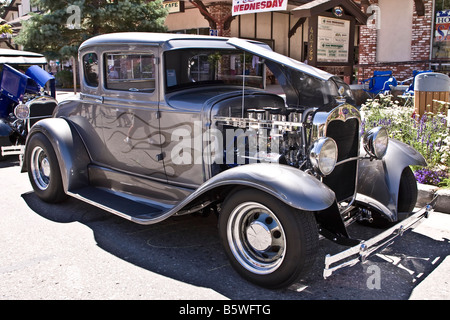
[
  {"x": 317, "y": 7},
  {"x": 22, "y": 60},
  {"x": 10, "y": 56}
]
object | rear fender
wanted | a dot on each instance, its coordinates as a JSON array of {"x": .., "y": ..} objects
[
  {"x": 69, "y": 148},
  {"x": 379, "y": 181}
]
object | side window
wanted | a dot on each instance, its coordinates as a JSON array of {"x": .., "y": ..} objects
[
  {"x": 90, "y": 66},
  {"x": 130, "y": 72}
]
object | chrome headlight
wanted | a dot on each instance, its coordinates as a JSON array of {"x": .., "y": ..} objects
[
  {"x": 376, "y": 142},
  {"x": 22, "y": 111},
  {"x": 324, "y": 155}
]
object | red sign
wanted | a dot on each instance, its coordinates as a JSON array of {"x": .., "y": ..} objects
[{"x": 254, "y": 6}]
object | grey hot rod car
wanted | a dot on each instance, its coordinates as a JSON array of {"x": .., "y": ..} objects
[{"x": 175, "y": 124}]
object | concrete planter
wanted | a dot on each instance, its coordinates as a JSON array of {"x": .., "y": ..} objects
[{"x": 426, "y": 193}]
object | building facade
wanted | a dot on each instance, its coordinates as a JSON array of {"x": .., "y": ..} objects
[
  {"x": 404, "y": 36},
  {"x": 400, "y": 35},
  {"x": 350, "y": 38},
  {"x": 14, "y": 14}
]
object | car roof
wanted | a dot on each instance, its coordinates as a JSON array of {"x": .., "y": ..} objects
[{"x": 146, "y": 38}]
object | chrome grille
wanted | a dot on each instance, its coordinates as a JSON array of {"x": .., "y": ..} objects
[{"x": 343, "y": 179}]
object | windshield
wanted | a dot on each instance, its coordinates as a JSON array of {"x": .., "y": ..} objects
[
  {"x": 197, "y": 67},
  {"x": 303, "y": 86}
]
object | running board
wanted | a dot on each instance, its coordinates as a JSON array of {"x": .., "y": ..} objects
[{"x": 131, "y": 208}]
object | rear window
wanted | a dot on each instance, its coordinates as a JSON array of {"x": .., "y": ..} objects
[{"x": 90, "y": 67}]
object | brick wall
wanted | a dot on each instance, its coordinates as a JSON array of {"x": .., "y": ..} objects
[{"x": 420, "y": 47}]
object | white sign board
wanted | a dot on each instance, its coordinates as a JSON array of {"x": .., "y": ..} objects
[
  {"x": 333, "y": 40},
  {"x": 255, "y": 6}
]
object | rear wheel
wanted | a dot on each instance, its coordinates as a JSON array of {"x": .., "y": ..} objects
[
  {"x": 43, "y": 169},
  {"x": 267, "y": 242}
]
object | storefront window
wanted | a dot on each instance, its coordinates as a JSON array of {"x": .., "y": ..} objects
[{"x": 441, "y": 40}]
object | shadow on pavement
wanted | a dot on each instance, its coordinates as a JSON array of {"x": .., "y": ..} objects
[
  {"x": 10, "y": 161},
  {"x": 188, "y": 249}
]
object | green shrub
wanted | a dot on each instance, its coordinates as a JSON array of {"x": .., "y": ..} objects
[{"x": 428, "y": 134}]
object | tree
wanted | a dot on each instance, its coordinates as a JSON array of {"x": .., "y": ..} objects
[
  {"x": 62, "y": 26},
  {"x": 3, "y": 5}
]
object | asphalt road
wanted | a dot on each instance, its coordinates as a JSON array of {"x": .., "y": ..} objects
[{"x": 75, "y": 251}]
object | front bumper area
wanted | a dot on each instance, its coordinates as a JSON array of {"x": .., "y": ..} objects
[{"x": 363, "y": 250}]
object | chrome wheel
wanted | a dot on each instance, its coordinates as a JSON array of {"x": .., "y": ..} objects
[
  {"x": 256, "y": 238},
  {"x": 43, "y": 169},
  {"x": 40, "y": 168}
]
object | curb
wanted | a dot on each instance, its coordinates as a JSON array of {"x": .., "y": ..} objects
[{"x": 426, "y": 193}]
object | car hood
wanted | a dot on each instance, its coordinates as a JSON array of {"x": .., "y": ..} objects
[
  {"x": 39, "y": 75},
  {"x": 304, "y": 85},
  {"x": 42, "y": 77},
  {"x": 265, "y": 52},
  {"x": 14, "y": 83}
]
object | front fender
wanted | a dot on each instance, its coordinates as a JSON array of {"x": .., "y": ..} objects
[
  {"x": 69, "y": 148},
  {"x": 380, "y": 180},
  {"x": 290, "y": 185}
]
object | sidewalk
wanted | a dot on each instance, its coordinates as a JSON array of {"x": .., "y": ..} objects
[{"x": 436, "y": 286}]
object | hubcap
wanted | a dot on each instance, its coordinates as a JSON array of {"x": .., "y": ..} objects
[
  {"x": 45, "y": 165},
  {"x": 40, "y": 168},
  {"x": 256, "y": 238}
]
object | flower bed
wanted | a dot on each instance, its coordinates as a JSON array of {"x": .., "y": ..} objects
[{"x": 428, "y": 134}]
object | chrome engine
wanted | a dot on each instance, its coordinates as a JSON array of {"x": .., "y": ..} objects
[{"x": 297, "y": 137}]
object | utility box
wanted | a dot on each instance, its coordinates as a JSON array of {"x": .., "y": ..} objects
[{"x": 430, "y": 90}]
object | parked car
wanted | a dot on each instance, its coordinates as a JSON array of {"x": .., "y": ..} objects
[
  {"x": 168, "y": 125},
  {"x": 23, "y": 101}
]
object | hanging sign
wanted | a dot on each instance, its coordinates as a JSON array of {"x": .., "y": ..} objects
[
  {"x": 255, "y": 6},
  {"x": 174, "y": 6},
  {"x": 442, "y": 32},
  {"x": 333, "y": 40}
]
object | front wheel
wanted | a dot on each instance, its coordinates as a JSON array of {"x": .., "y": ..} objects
[
  {"x": 266, "y": 241},
  {"x": 43, "y": 169}
]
